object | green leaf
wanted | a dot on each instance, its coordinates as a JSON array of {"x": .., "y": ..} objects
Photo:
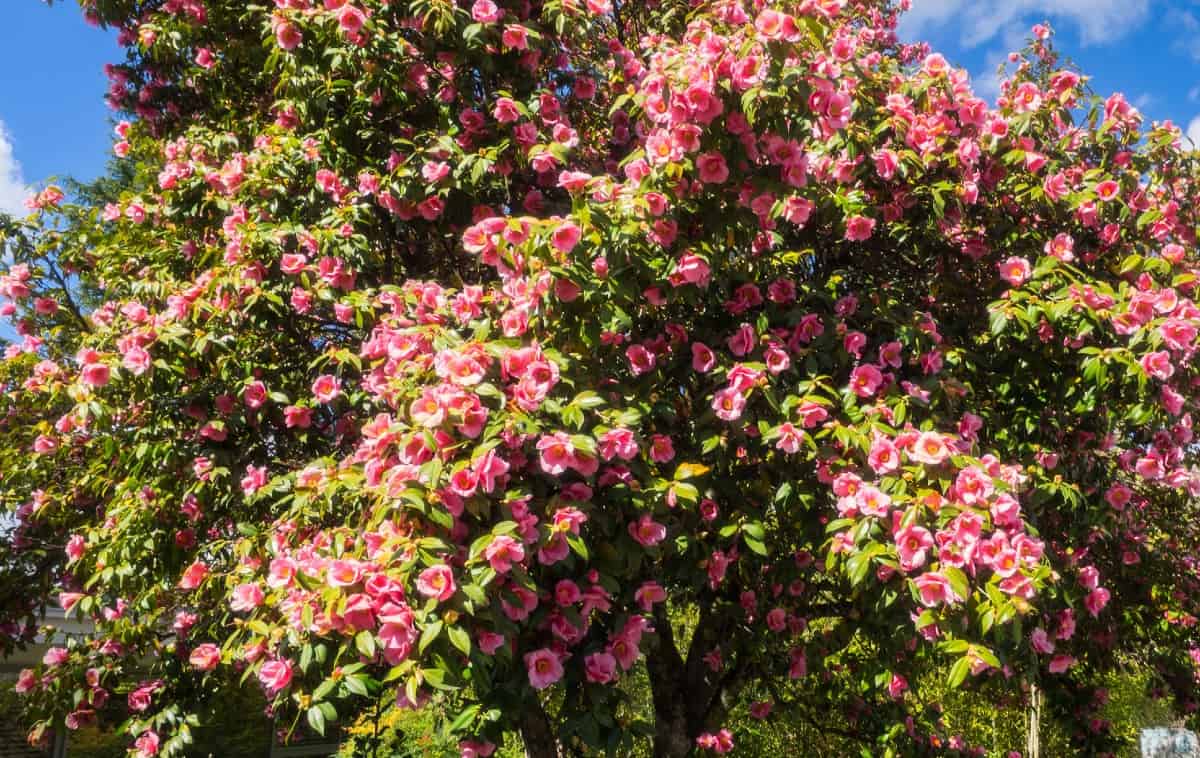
[
  {"x": 997, "y": 321},
  {"x": 316, "y": 719},
  {"x": 429, "y": 634},
  {"x": 357, "y": 685},
  {"x": 579, "y": 546},
  {"x": 323, "y": 689},
  {"x": 459, "y": 638},
  {"x": 958, "y": 582},
  {"x": 958, "y": 672},
  {"x": 755, "y": 545},
  {"x": 365, "y": 642},
  {"x": 464, "y": 718}
]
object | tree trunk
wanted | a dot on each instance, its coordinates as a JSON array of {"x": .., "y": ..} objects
[
  {"x": 537, "y": 734},
  {"x": 672, "y": 737}
]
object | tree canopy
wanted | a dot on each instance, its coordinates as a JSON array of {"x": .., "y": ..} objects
[{"x": 477, "y": 356}]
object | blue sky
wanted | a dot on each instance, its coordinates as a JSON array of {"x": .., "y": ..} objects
[
  {"x": 53, "y": 120},
  {"x": 1147, "y": 49}
]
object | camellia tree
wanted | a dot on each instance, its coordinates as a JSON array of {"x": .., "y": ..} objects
[{"x": 489, "y": 356}]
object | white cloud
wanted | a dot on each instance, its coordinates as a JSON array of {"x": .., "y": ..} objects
[
  {"x": 986, "y": 82},
  {"x": 13, "y": 189},
  {"x": 980, "y": 21},
  {"x": 1193, "y": 131},
  {"x": 1184, "y": 26}
]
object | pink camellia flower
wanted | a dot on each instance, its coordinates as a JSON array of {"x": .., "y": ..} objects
[
  {"x": 516, "y": 37},
  {"x": 55, "y": 656},
  {"x": 146, "y": 744},
  {"x": 1015, "y": 271},
  {"x": 136, "y": 360},
  {"x": 1060, "y": 663},
  {"x": 140, "y": 699},
  {"x": 193, "y": 575},
  {"x": 205, "y": 59},
  {"x": 254, "y": 480},
  {"x": 897, "y": 686},
  {"x": 292, "y": 263},
  {"x": 859, "y": 228},
  {"x": 490, "y": 642},
  {"x": 1066, "y": 625},
  {"x": 506, "y": 111},
  {"x": 326, "y": 388},
  {"x": 76, "y": 546},
  {"x": 617, "y": 443},
  {"x": 854, "y": 342},
  {"x": 566, "y": 237},
  {"x": 246, "y": 597},
  {"x": 1158, "y": 365},
  {"x": 1096, "y": 600},
  {"x": 288, "y": 36},
  {"x": 502, "y": 552},
  {"x": 662, "y": 449},
  {"x": 649, "y": 594},
  {"x": 865, "y": 380},
  {"x": 646, "y": 531},
  {"x": 1118, "y": 496},
  {"x": 728, "y": 404},
  {"x": 1089, "y": 577},
  {"x": 712, "y": 169},
  {"x": 691, "y": 269},
  {"x": 351, "y": 19},
  {"x": 68, "y": 600},
  {"x": 567, "y": 592},
  {"x": 275, "y": 675},
  {"x": 95, "y": 374},
  {"x": 640, "y": 359},
  {"x": 544, "y": 668},
  {"x": 872, "y": 502},
  {"x": 435, "y": 171},
  {"x": 703, "y": 358},
  {"x": 343, "y": 573},
  {"x": 473, "y": 749},
  {"x": 600, "y": 668},
  {"x": 934, "y": 589},
  {"x": 913, "y": 542},
  {"x": 790, "y": 438},
  {"x": 485, "y": 12},
  {"x": 883, "y": 457},
  {"x": 45, "y": 444},
  {"x": 255, "y": 394},
  {"x": 1040, "y": 642},
  {"x": 1061, "y": 247},
  {"x": 437, "y": 582},
  {"x": 557, "y": 452},
  {"x": 205, "y": 657},
  {"x": 297, "y": 417},
  {"x": 721, "y": 742},
  {"x": 26, "y": 682},
  {"x": 929, "y": 448}
]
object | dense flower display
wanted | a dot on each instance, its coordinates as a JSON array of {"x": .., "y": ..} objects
[{"x": 475, "y": 356}]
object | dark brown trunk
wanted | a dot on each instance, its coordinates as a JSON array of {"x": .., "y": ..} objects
[
  {"x": 672, "y": 737},
  {"x": 688, "y": 696},
  {"x": 537, "y": 734}
]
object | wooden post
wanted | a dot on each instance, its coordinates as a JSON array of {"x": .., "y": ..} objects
[
  {"x": 60, "y": 744},
  {"x": 1033, "y": 747}
]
